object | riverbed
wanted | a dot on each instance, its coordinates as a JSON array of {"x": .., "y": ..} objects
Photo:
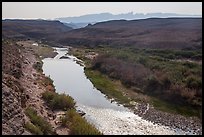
[{"x": 109, "y": 117}]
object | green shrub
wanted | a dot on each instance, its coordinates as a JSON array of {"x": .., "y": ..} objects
[
  {"x": 68, "y": 118},
  {"x": 33, "y": 129},
  {"x": 153, "y": 85},
  {"x": 184, "y": 54},
  {"x": 30, "y": 112},
  {"x": 48, "y": 81},
  {"x": 64, "y": 121},
  {"x": 48, "y": 96},
  {"x": 39, "y": 121},
  {"x": 142, "y": 60},
  {"x": 166, "y": 82},
  {"x": 38, "y": 66},
  {"x": 194, "y": 82},
  {"x": 58, "y": 101},
  {"x": 197, "y": 57},
  {"x": 81, "y": 127},
  {"x": 190, "y": 65},
  {"x": 77, "y": 124}
]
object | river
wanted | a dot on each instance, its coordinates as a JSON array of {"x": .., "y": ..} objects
[{"x": 109, "y": 117}]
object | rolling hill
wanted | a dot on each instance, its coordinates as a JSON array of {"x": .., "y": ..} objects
[
  {"x": 173, "y": 33},
  {"x": 167, "y": 33},
  {"x": 37, "y": 29}
]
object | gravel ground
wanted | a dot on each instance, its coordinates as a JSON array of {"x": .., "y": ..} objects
[
  {"x": 114, "y": 122},
  {"x": 190, "y": 125}
]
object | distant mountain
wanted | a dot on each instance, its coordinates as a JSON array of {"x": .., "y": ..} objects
[
  {"x": 93, "y": 18},
  {"x": 174, "y": 33}
]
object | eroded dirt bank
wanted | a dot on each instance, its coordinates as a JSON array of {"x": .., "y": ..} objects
[{"x": 22, "y": 86}]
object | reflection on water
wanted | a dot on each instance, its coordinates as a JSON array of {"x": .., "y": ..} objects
[
  {"x": 109, "y": 118},
  {"x": 69, "y": 78}
]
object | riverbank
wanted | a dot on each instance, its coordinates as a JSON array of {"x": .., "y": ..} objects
[
  {"x": 24, "y": 85},
  {"x": 38, "y": 117},
  {"x": 142, "y": 105},
  {"x": 35, "y": 83}
]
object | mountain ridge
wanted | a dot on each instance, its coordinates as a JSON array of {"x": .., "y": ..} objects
[
  {"x": 173, "y": 33},
  {"x": 144, "y": 33},
  {"x": 93, "y": 18}
]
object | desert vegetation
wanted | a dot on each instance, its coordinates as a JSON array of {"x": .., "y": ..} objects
[
  {"x": 38, "y": 125},
  {"x": 38, "y": 66},
  {"x": 58, "y": 101},
  {"x": 77, "y": 124},
  {"x": 72, "y": 120},
  {"x": 156, "y": 73},
  {"x": 44, "y": 51},
  {"x": 106, "y": 86}
]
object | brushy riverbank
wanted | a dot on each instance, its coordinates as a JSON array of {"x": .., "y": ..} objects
[
  {"x": 143, "y": 105},
  {"x": 62, "y": 102},
  {"x": 40, "y": 110}
]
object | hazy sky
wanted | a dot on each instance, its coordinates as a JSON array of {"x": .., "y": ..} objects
[{"x": 51, "y": 10}]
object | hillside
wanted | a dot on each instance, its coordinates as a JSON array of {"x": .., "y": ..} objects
[
  {"x": 12, "y": 108},
  {"x": 22, "y": 85},
  {"x": 168, "y": 33},
  {"x": 33, "y": 29}
]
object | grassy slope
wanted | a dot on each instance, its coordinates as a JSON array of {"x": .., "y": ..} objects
[{"x": 106, "y": 86}]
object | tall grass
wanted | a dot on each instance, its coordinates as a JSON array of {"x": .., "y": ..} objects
[
  {"x": 33, "y": 129},
  {"x": 77, "y": 124},
  {"x": 106, "y": 86},
  {"x": 40, "y": 125},
  {"x": 58, "y": 101}
]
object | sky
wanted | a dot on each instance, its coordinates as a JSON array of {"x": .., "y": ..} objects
[{"x": 52, "y": 10}]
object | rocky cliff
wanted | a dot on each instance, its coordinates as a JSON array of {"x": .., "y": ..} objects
[
  {"x": 22, "y": 88},
  {"x": 13, "y": 95}
]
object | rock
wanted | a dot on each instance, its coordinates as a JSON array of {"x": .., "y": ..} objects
[
  {"x": 64, "y": 57},
  {"x": 81, "y": 112},
  {"x": 26, "y": 133},
  {"x": 57, "y": 122},
  {"x": 50, "y": 114},
  {"x": 54, "y": 116}
]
